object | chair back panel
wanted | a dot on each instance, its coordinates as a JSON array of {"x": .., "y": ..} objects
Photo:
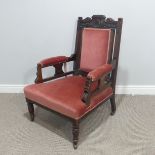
[{"x": 94, "y": 48}]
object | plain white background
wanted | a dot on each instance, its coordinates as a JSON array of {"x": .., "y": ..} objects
[{"x": 31, "y": 30}]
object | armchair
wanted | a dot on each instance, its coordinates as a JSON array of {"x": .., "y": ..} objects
[{"x": 92, "y": 80}]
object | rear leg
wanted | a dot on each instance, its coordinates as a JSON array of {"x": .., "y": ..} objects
[
  {"x": 113, "y": 105},
  {"x": 31, "y": 110}
]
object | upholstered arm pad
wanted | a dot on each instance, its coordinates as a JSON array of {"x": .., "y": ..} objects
[
  {"x": 99, "y": 72},
  {"x": 53, "y": 60}
]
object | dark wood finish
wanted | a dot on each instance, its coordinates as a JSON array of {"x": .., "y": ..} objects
[
  {"x": 113, "y": 105},
  {"x": 96, "y": 21},
  {"x": 31, "y": 110},
  {"x": 103, "y": 83},
  {"x": 78, "y": 46},
  {"x": 58, "y": 71},
  {"x": 87, "y": 91},
  {"x": 39, "y": 77},
  {"x": 75, "y": 131},
  {"x": 57, "y": 76},
  {"x": 116, "y": 52}
]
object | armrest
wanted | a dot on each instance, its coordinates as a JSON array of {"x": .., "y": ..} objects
[
  {"x": 57, "y": 63},
  {"x": 97, "y": 73},
  {"x": 93, "y": 76},
  {"x": 53, "y": 61}
]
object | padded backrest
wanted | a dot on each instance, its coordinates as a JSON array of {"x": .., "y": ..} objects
[{"x": 95, "y": 48}]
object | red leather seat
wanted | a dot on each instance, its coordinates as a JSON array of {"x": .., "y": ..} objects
[{"x": 64, "y": 96}]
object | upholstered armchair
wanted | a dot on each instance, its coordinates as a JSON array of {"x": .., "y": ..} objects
[{"x": 92, "y": 80}]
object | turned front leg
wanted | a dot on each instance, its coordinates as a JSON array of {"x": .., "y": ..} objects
[{"x": 75, "y": 133}]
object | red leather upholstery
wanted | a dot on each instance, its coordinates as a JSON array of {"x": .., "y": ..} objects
[
  {"x": 100, "y": 71},
  {"x": 53, "y": 61},
  {"x": 95, "y": 48},
  {"x": 64, "y": 96}
]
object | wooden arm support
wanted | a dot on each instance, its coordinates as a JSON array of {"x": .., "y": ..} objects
[
  {"x": 57, "y": 63},
  {"x": 98, "y": 75},
  {"x": 87, "y": 91}
]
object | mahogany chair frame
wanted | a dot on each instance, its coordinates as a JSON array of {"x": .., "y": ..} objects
[{"x": 96, "y": 21}]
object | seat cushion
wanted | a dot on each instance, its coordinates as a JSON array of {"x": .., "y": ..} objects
[{"x": 64, "y": 96}]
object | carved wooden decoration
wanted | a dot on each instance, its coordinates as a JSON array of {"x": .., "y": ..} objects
[
  {"x": 87, "y": 91},
  {"x": 97, "y": 21}
]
